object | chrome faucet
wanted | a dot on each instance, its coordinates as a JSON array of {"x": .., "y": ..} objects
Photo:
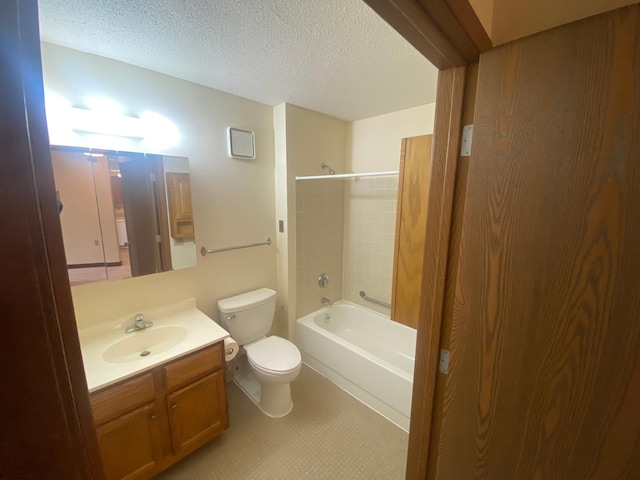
[
  {"x": 139, "y": 323},
  {"x": 326, "y": 301}
]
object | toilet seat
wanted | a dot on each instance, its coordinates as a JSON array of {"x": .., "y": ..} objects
[{"x": 274, "y": 355}]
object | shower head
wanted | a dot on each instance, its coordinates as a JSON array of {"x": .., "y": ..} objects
[{"x": 331, "y": 171}]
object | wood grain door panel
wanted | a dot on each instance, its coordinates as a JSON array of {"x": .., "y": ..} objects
[
  {"x": 138, "y": 210},
  {"x": 544, "y": 379},
  {"x": 413, "y": 196},
  {"x": 197, "y": 412},
  {"x": 130, "y": 445},
  {"x": 46, "y": 419}
]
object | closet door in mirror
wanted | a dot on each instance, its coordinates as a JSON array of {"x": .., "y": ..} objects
[{"x": 79, "y": 213}]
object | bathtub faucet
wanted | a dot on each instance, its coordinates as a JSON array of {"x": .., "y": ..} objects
[{"x": 326, "y": 301}]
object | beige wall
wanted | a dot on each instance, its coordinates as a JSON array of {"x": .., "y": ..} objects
[
  {"x": 304, "y": 139},
  {"x": 285, "y": 241},
  {"x": 233, "y": 199},
  {"x": 370, "y": 203},
  {"x": 506, "y": 20},
  {"x": 373, "y": 144}
]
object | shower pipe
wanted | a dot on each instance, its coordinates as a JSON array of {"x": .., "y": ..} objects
[{"x": 349, "y": 175}]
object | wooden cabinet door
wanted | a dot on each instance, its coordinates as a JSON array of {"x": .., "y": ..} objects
[
  {"x": 411, "y": 220},
  {"x": 544, "y": 365},
  {"x": 180, "y": 186},
  {"x": 130, "y": 445},
  {"x": 197, "y": 412},
  {"x": 180, "y": 208}
]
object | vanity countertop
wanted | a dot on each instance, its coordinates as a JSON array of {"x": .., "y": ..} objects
[{"x": 178, "y": 329}]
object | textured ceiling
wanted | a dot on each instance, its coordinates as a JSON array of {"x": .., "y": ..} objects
[{"x": 333, "y": 56}]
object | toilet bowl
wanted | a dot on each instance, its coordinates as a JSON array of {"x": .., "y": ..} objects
[{"x": 266, "y": 365}]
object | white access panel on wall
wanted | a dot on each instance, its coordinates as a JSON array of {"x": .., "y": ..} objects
[{"x": 241, "y": 143}]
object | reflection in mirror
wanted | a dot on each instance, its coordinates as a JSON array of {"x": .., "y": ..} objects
[{"x": 123, "y": 214}]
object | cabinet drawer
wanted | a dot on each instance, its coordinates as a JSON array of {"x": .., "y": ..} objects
[
  {"x": 118, "y": 399},
  {"x": 193, "y": 367}
]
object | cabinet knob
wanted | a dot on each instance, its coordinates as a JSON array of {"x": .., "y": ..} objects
[
  {"x": 174, "y": 407},
  {"x": 153, "y": 417}
]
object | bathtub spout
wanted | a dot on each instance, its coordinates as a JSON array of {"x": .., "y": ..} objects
[{"x": 326, "y": 301}]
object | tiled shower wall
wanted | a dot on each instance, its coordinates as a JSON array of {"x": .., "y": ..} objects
[
  {"x": 370, "y": 222},
  {"x": 346, "y": 229},
  {"x": 368, "y": 209},
  {"x": 319, "y": 241}
]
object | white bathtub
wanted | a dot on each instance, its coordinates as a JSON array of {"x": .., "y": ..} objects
[{"x": 363, "y": 352}]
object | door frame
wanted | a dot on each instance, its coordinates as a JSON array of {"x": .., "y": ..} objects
[
  {"x": 47, "y": 414},
  {"x": 446, "y": 32},
  {"x": 449, "y": 34}
]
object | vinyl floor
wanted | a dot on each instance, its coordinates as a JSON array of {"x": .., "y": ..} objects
[{"x": 328, "y": 435}]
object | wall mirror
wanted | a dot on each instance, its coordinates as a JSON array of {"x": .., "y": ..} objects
[{"x": 123, "y": 214}]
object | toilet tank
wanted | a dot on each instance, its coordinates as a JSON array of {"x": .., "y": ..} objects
[{"x": 248, "y": 317}]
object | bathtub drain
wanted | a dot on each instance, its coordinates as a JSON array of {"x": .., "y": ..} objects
[{"x": 327, "y": 317}]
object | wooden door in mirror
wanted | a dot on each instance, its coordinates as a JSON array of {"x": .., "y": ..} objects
[{"x": 180, "y": 208}]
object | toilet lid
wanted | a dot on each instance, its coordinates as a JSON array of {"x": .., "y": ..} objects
[{"x": 274, "y": 354}]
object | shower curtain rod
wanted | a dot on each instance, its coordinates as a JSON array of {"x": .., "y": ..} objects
[{"x": 350, "y": 175}]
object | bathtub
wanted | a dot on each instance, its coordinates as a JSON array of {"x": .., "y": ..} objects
[{"x": 364, "y": 353}]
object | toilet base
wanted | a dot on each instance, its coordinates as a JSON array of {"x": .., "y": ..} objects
[{"x": 274, "y": 400}]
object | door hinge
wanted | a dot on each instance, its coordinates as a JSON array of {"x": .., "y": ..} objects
[
  {"x": 158, "y": 239},
  {"x": 152, "y": 177},
  {"x": 444, "y": 361},
  {"x": 467, "y": 138}
]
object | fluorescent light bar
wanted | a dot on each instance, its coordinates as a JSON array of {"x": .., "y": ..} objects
[{"x": 103, "y": 123}]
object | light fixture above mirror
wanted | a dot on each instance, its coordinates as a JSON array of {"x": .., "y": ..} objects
[{"x": 101, "y": 123}]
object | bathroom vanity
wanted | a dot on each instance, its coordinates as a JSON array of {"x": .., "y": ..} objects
[{"x": 156, "y": 394}]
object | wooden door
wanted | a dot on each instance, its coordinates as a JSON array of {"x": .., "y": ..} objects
[
  {"x": 163, "y": 261},
  {"x": 197, "y": 412},
  {"x": 137, "y": 197},
  {"x": 130, "y": 445},
  {"x": 544, "y": 374},
  {"x": 411, "y": 220},
  {"x": 180, "y": 209},
  {"x": 46, "y": 425}
]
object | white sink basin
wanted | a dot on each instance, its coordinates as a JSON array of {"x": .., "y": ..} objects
[
  {"x": 110, "y": 355},
  {"x": 145, "y": 344}
]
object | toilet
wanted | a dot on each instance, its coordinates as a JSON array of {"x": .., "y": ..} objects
[{"x": 265, "y": 365}]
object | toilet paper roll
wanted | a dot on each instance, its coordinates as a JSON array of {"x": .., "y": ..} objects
[{"x": 230, "y": 349}]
